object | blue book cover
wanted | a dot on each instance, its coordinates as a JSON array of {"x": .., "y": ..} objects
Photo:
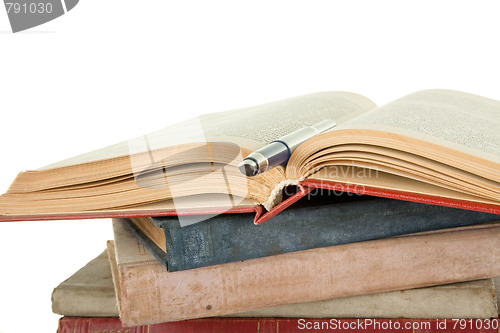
[{"x": 233, "y": 237}]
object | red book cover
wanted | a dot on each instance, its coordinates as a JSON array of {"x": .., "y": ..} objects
[
  {"x": 283, "y": 325},
  {"x": 306, "y": 186}
]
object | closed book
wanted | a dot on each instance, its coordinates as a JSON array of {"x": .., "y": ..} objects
[
  {"x": 90, "y": 293},
  {"x": 277, "y": 325},
  {"x": 87, "y": 293},
  {"x": 149, "y": 294},
  {"x": 233, "y": 237},
  {"x": 496, "y": 283}
]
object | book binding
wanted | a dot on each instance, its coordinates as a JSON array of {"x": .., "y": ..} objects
[{"x": 276, "y": 325}]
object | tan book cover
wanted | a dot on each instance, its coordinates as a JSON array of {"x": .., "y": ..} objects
[
  {"x": 149, "y": 294},
  {"x": 87, "y": 294},
  {"x": 496, "y": 282}
]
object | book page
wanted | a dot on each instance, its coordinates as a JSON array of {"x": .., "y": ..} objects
[
  {"x": 251, "y": 128},
  {"x": 461, "y": 121},
  {"x": 268, "y": 122}
]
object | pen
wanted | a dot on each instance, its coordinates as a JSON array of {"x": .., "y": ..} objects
[{"x": 279, "y": 151}]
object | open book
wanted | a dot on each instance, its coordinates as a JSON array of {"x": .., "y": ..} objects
[{"x": 434, "y": 146}]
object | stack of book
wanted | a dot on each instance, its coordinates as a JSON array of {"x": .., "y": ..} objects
[
  {"x": 237, "y": 277},
  {"x": 393, "y": 213}
]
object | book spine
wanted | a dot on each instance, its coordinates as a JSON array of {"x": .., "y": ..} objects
[
  {"x": 97, "y": 324},
  {"x": 231, "y": 238},
  {"x": 79, "y": 301},
  {"x": 360, "y": 268},
  {"x": 87, "y": 293},
  {"x": 475, "y": 299},
  {"x": 276, "y": 325}
]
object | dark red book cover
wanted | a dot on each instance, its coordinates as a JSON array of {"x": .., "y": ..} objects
[{"x": 282, "y": 325}]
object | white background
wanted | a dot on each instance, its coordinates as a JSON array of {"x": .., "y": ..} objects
[{"x": 111, "y": 70}]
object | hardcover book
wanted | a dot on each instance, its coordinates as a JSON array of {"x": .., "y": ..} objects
[
  {"x": 232, "y": 237},
  {"x": 149, "y": 294},
  {"x": 277, "y": 325},
  {"x": 434, "y": 146},
  {"x": 90, "y": 293},
  {"x": 87, "y": 293}
]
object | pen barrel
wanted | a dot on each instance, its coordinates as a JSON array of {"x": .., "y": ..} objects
[
  {"x": 295, "y": 139},
  {"x": 279, "y": 151},
  {"x": 270, "y": 156}
]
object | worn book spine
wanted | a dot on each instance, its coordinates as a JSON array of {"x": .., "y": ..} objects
[
  {"x": 229, "y": 238},
  {"x": 149, "y": 294},
  {"x": 474, "y": 299},
  {"x": 90, "y": 293},
  {"x": 87, "y": 293},
  {"x": 276, "y": 325},
  {"x": 496, "y": 284}
]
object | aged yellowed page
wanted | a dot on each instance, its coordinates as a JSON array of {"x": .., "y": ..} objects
[
  {"x": 250, "y": 128},
  {"x": 457, "y": 120}
]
